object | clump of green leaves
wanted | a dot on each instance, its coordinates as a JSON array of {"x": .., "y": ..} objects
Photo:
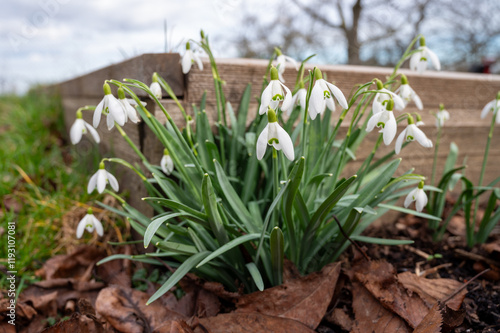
[{"x": 226, "y": 216}]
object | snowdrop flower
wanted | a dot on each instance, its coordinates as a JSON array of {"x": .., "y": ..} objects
[
  {"x": 275, "y": 136},
  {"x": 419, "y": 120},
  {"x": 321, "y": 96},
  {"x": 100, "y": 179},
  {"x": 110, "y": 107},
  {"x": 408, "y": 94},
  {"x": 130, "y": 111},
  {"x": 383, "y": 95},
  {"x": 166, "y": 163},
  {"x": 281, "y": 60},
  {"x": 189, "y": 58},
  {"x": 418, "y": 195},
  {"x": 274, "y": 93},
  {"x": 492, "y": 106},
  {"x": 385, "y": 120},
  {"x": 441, "y": 116},
  {"x": 411, "y": 133},
  {"x": 81, "y": 127},
  {"x": 155, "y": 86},
  {"x": 89, "y": 223},
  {"x": 299, "y": 98},
  {"x": 419, "y": 59}
]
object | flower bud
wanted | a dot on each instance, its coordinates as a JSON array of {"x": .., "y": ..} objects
[
  {"x": 274, "y": 73},
  {"x": 271, "y": 116},
  {"x": 107, "y": 89},
  {"x": 317, "y": 73}
]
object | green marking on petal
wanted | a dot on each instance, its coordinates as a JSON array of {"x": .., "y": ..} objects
[
  {"x": 278, "y": 97},
  {"x": 381, "y": 124},
  {"x": 410, "y": 138},
  {"x": 326, "y": 94},
  {"x": 273, "y": 140}
]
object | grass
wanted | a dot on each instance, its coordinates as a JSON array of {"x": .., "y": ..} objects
[{"x": 42, "y": 178}]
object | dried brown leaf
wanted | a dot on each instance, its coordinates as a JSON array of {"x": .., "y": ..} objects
[
  {"x": 304, "y": 299},
  {"x": 74, "y": 265},
  {"x": 379, "y": 279},
  {"x": 340, "y": 318},
  {"x": 433, "y": 290},
  {"x": 432, "y": 322},
  {"x": 174, "y": 326},
  {"x": 249, "y": 322},
  {"x": 126, "y": 310},
  {"x": 371, "y": 316},
  {"x": 77, "y": 323}
]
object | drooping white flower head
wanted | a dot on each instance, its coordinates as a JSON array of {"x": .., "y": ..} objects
[
  {"x": 322, "y": 96},
  {"x": 281, "y": 60},
  {"x": 274, "y": 135},
  {"x": 421, "y": 57},
  {"x": 189, "y": 58},
  {"x": 386, "y": 121},
  {"x": 411, "y": 133},
  {"x": 441, "y": 116},
  {"x": 100, "y": 179},
  {"x": 155, "y": 86},
  {"x": 383, "y": 96},
  {"x": 89, "y": 223},
  {"x": 419, "y": 120},
  {"x": 81, "y": 127},
  {"x": 130, "y": 111},
  {"x": 275, "y": 93},
  {"x": 166, "y": 163},
  {"x": 492, "y": 106},
  {"x": 299, "y": 98},
  {"x": 407, "y": 94},
  {"x": 418, "y": 195},
  {"x": 110, "y": 107}
]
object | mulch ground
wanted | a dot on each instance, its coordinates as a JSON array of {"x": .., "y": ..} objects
[{"x": 398, "y": 289}]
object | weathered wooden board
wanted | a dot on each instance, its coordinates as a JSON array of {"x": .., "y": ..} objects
[{"x": 141, "y": 68}]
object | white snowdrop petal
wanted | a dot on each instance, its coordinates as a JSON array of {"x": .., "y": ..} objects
[
  {"x": 97, "y": 113},
  {"x": 487, "y": 108},
  {"x": 434, "y": 59},
  {"x": 92, "y": 183},
  {"x": 285, "y": 143},
  {"x": 98, "y": 225},
  {"x": 338, "y": 95},
  {"x": 93, "y": 132},
  {"x": 112, "y": 181},
  {"x": 399, "y": 142},
  {"x": 186, "y": 62},
  {"x": 101, "y": 180},
  {"x": 76, "y": 131},
  {"x": 262, "y": 142}
]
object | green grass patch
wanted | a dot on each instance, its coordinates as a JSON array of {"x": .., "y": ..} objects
[{"x": 43, "y": 177}]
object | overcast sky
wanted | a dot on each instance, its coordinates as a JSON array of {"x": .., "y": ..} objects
[{"x": 54, "y": 40}]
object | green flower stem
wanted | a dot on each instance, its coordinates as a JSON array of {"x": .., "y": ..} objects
[
  {"x": 187, "y": 118},
  {"x": 304, "y": 129},
  {"x": 131, "y": 144},
  {"x": 126, "y": 164},
  {"x": 483, "y": 167},
  {"x": 434, "y": 163},
  {"x": 276, "y": 185},
  {"x": 366, "y": 164}
]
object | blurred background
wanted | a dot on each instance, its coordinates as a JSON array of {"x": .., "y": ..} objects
[{"x": 47, "y": 41}]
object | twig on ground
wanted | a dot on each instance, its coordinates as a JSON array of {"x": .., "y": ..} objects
[
  {"x": 476, "y": 257},
  {"x": 456, "y": 292}
]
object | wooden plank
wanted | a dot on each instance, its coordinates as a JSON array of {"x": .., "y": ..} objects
[{"x": 140, "y": 68}]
